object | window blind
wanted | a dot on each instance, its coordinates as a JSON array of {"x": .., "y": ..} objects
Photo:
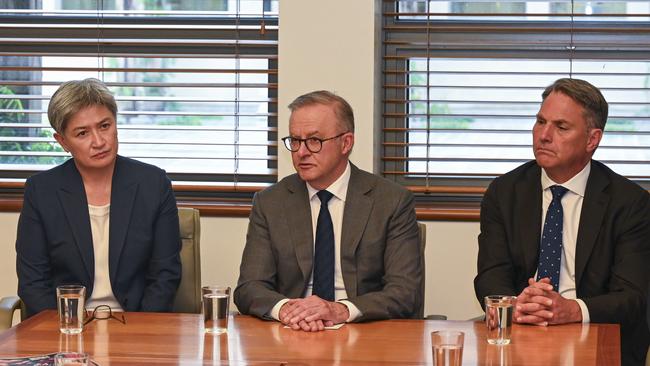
[
  {"x": 195, "y": 83},
  {"x": 462, "y": 83}
]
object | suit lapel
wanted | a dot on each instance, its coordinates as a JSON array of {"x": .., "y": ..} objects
[
  {"x": 593, "y": 210},
  {"x": 358, "y": 204},
  {"x": 298, "y": 213},
  {"x": 123, "y": 194},
  {"x": 529, "y": 206},
  {"x": 72, "y": 196}
]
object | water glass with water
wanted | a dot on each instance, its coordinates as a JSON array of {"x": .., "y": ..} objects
[
  {"x": 71, "y": 342},
  {"x": 70, "y": 301},
  {"x": 498, "y": 318},
  {"x": 496, "y": 355},
  {"x": 71, "y": 359},
  {"x": 447, "y": 347},
  {"x": 216, "y": 301}
]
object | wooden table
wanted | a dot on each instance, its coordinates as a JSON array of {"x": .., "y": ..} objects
[{"x": 178, "y": 339}]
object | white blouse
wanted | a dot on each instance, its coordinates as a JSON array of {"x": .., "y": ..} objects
[{"x": 102, "y": 290}]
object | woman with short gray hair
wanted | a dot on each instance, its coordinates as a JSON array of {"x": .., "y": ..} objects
[{"x": 101, "y": 220}]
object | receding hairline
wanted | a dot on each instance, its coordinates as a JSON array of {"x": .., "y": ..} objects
[
  {"x": 341, "y": 108},
  {"x": 586, "y": 95}
]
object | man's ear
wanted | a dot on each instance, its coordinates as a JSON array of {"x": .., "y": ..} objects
[
  {"x": 593, "y": 140},
  {"x": 348, "y": 142},
  {"x": 61, "y": 140}
]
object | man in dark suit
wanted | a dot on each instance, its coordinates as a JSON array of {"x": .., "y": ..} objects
[
  {"x": 332, "y": 243},
  {"x": 564, "y": 233}
]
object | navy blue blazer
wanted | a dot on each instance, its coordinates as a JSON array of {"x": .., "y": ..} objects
[
  {"x": 612, "y": 247},
  {"x": 54, "y": 241}
]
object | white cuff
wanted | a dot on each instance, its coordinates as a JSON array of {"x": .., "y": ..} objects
[
  {"x": 275, "y": 311},
  {"x": 355, "y": 313},
  {"x": 584, "y": 311}
]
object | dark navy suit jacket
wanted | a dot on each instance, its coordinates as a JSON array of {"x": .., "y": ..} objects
[
  {"x": 612, "y": 248},
  {"x": 54, "y": 242}
]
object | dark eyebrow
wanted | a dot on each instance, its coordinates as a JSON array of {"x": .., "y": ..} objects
[
  {"x": 538, "y": 116},
  {"x": 107, "y": 119},
  {"x": 560, "y": 121}
]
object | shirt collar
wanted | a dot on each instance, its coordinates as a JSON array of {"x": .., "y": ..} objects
[
  {"x": 577, "y": 184},
  {"x": 339, "y": 188}
]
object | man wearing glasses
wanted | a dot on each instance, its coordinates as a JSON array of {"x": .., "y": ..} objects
[{"x": 331, "y": 243}]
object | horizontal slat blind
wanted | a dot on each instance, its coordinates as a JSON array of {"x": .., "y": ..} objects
[
  {"x": 463, "y": 83},
  {"x": 195, "y": 82}
]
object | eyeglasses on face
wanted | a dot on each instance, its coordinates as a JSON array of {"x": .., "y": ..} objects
[
  {"x": 104, "y": 312},
  {"x": 313, "y": 144}
]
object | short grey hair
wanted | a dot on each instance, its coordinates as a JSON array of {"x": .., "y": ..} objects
[
  {"x": 585, "y": 94},
  {"x": 342, "y": 108},
  {"x": 74, "y": 95}
]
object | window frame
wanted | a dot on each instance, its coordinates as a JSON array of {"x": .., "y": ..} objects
[
  {"x": 190, "y": 189},
  {"x": 463, "y": 38}
]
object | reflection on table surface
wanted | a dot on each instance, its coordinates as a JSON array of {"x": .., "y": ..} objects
[{"x": 178, "y": 339}]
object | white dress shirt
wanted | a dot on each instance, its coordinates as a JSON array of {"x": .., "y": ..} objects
[
  {"x": 102, "y": 290},
  {"x": 336, "y": 206},
  {"x": 571, "y": 208}
]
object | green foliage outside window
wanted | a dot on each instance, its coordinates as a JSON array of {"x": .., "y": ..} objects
[{"x": 20, "y": 117}]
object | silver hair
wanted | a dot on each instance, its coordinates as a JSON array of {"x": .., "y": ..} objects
[
  {"x": 342, "y": 108},
  {"x": 75, "y": 95}
]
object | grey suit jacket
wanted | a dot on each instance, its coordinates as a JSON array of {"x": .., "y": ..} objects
[{"x": 380, "y": 255}]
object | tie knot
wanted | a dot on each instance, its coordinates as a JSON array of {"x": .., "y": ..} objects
[
  {"x": 324, "y": 196},
  {"x": 558, "y": 191}
]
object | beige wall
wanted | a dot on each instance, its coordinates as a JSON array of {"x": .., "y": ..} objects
[
  {"x": 8, "y": 280},
  {"x": 329, "y": 45},
  {"x": 324, "y": 45}
]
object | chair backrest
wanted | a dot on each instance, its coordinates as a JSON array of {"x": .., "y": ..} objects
[
  {"x": 423, "y": 244},
  {"x": 188, "y": 296}
]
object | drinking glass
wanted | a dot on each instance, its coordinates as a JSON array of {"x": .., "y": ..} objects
[
  {"x": 498, "y": 318},
  {"x": 216, "y": 301},
  {"x": 71, "y": 359},
  {"x": 447, "y": 347},
  {"x": 70, "y": 301}
]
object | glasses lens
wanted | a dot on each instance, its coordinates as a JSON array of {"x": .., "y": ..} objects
[
  {"x": 289, "y": 143},
  {"x": 295, "y": 144},
  {"x": 313, "y": 144},
  {"x": 102, "y": 312}
]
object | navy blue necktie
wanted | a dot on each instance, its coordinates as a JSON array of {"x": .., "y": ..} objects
[
  {"x": 550, "y": 248},
  {"x": 323, "y": 285}
]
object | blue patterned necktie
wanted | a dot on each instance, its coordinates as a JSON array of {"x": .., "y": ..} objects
[
  {"x": 550, "y": 248},
  {"x": 323, "y": 285}
]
